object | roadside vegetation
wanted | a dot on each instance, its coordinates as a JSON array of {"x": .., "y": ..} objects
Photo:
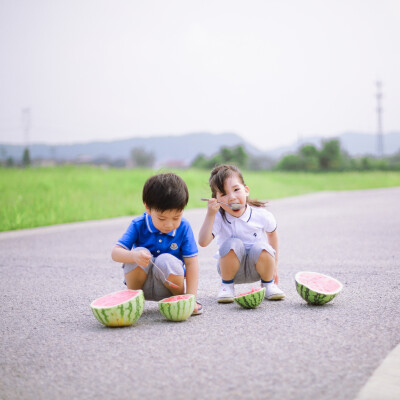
[{"x": 32, "y": 197}]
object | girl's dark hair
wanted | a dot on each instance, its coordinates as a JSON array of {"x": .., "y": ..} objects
[
  {"x": 164, "y": 192},
  {"x": 217, "y": 182}
]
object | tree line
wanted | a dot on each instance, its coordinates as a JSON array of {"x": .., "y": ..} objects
[{"x": 330, "y": 157}]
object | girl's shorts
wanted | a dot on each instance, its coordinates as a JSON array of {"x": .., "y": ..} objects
[
  {"x": 153, "y": 287},
  {"x": 247, "y": 272}
]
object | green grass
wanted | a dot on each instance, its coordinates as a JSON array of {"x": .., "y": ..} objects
[{"x": 45, "y": 196}]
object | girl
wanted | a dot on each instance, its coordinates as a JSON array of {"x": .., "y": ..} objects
[{"x": 245, "y": 232}]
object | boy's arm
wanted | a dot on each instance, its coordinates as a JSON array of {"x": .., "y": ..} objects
[
  {"x": 192, "y": 275},
  {"x": 273, "y": 241},
  {"x": 140, "y": 257},
  {"x": 205, "y": 234}
]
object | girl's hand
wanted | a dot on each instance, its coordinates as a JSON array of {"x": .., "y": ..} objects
[
  {"x": 142, "y": 257},
  {"x": 213, "y": 206}
]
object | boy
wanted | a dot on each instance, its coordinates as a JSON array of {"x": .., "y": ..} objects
[{"x": 161, "y": 238}]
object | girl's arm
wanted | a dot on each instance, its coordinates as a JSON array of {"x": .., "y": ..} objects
[
  {"x": 140, "y": 257},
  {"x": 273, "y": 241},
  {"x": 205, "y": 235}
]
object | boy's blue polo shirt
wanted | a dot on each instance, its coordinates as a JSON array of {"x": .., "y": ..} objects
[{"x": 142, "y": 233}]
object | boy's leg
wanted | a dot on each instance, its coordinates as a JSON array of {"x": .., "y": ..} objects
[
  {"x": 135, "y": 275},
  {"x": 135, "y": 278},
  {"x": 173, "y": 270}
]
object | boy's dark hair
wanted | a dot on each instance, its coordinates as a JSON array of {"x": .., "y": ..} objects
[{"x": 164, "y": 192}]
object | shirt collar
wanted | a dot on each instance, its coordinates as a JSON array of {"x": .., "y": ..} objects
[
  {"x": 153, "y": 229},
  {"x": 245, "y": 217}
]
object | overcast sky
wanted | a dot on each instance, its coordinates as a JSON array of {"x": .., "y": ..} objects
[{"x": 271, "y": 71}]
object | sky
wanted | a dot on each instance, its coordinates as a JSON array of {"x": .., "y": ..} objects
[{"x": 271, "y": 71}]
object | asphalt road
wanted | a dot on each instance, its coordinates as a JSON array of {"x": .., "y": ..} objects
[{"x": 52, "y": 347}]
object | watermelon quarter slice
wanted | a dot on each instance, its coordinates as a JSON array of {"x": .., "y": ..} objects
[
  {"x": 177, "y": 308},
  {"x": 316, "y": 288},
  {"x": 251, "y": 299},
  {"x": 121, "y": 308}
]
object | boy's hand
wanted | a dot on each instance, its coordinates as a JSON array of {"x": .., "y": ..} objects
[{"x": 142, "y": 257}]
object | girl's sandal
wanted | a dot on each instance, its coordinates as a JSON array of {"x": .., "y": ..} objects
[{"x": 199, "y": 309}]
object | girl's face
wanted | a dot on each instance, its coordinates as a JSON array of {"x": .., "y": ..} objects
[{"x": 235, "y": 193}]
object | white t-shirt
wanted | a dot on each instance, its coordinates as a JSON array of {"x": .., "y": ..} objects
[{"x": 251, "y": 227}]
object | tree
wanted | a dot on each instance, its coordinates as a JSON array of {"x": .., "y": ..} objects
[
  {"x": 142, "y": 158},
  {"x": 226, "y": 155},
  {"x": 199, "y": 162},
  {"x": 291, "y": 162},
  {"x": 330, "y": 156},
  {"x": 26, "y": 158},
  {"x": 240, "y": 156},
  {"x": 310, "y": 157}
]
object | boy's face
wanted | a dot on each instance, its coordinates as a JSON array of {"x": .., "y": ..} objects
[
  {"x": 165, "y": 221},
  {"x": 235, "y": 193}
]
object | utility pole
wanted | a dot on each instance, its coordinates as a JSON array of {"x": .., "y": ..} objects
[
  {"x": 26, "y": 124},
  {"x": 379, "y": 119}
]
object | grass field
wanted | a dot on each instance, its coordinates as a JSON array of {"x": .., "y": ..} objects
[{"x": 45, "y": 196}]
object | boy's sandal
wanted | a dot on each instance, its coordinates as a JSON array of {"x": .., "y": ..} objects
[{"x": 199, "y": 309}]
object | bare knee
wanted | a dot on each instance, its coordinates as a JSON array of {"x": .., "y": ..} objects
[{"x": 135, "y": 278}]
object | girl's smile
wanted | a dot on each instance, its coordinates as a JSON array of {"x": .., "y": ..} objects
[{"x": 234, "y": 193}]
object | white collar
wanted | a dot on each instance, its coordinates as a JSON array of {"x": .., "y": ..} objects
[{"x": 245, "y": 217}]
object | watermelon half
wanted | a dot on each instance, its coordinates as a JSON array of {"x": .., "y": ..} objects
[
  {"x": 316, "y": 288},
  {"x": 121, "y": 308},
  {"x": 251, "y": 299},
  {"x": 177, "y": 308}
]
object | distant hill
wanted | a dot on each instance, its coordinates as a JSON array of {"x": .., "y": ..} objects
[{"x": 183, "y": 149}]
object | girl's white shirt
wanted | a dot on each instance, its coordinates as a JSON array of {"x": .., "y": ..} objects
[{"x": 250, "y": 227}]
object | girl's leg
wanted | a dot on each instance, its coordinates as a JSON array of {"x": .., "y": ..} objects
[
  {"x": 231, "y": 255},
  {"x": 264, "y": 257},
  {"x": 229, "y": 265},
  {"x": 232, "y": 252},
  {"x": 265, "y": 266}
]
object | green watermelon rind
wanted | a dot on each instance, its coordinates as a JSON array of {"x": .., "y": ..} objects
[
  {"x": 123, "y": 314},
  {"x": 179, "y": 310},
  {"x": 313, "y": 297},
  {"x": 252, "y": 299}
]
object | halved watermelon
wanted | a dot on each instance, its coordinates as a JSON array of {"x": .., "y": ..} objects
[
  {"x": 177, "y": 308},
  {"x": 251, "y": 299},
  {"x": 121, "y": 308},
  {"x": 316, "y": 288}
]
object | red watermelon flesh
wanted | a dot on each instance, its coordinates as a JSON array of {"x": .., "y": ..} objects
[
  {"x": 114, "y": 299},
  {"x": 251, "y": 291},
  {"x": 175, "y": 298},
  {"x": 318, "y": 282}
]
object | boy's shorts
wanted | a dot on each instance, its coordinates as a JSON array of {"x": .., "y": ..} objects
[
  {"x": 153, "y": 287},
  {"x": 247, "y": 272}
]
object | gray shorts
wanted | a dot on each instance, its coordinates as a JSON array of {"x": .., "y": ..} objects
[
  {"x": 247, "y": 272},
  {"x": 153, "y": 287}
]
